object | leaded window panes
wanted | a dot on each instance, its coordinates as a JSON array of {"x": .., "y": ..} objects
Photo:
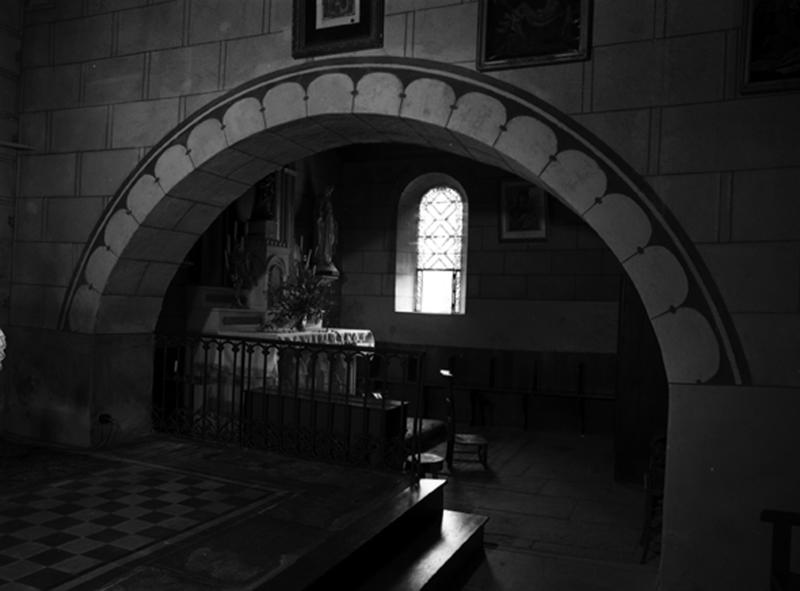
[{"x": 439, "y": 251}]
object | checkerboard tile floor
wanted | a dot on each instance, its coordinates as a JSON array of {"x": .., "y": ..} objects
[{"x": 68, "y": 529}]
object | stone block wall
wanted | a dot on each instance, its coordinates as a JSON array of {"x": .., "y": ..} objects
[{"x": 10, "y": 46}]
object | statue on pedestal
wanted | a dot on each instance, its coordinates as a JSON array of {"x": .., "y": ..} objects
[{"x": 326, "y": 237}]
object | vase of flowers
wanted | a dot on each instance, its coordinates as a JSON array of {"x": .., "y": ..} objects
[{"x": 303, "y": 300}]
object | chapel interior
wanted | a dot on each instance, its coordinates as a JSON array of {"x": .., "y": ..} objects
[
  {"x": 627, "y": 383},
  {"x": 388, "y": 298}
]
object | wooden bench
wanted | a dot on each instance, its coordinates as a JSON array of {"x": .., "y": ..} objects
[
  {"x": 480, "y": 393},
  {"x": 351, "y": 424}
]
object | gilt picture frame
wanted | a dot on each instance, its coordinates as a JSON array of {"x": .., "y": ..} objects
[
  {"x": 324, "y": 27},
  {"x": 520, "y": 33},
  {"x": 771, "y": 42},
  {"x": 523, "y": 211}
]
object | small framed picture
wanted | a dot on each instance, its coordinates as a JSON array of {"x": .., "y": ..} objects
[
  {"x": 771, "y": 45},
  {"x": 323, "y": 27},
  {"x": 518, "y": 33},
  {"x": 523, "y": 211},
  {"x": 273, "y": 194}
]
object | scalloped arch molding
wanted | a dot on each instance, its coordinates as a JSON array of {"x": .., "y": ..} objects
[{"x": 210, "y": 159}]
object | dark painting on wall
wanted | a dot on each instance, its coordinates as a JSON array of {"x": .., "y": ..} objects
[
  {"x": 273, "y": 196},
  {"x": 517, "y": 33},
  {"x": 523, "y": 211},
  {"x": 772, "y": 45},
  {"x": 268, "y": 208},
  {"x": 323, "y": 27}
]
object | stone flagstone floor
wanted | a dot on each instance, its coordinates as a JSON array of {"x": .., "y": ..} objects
[{"x": 557, "y": 520}]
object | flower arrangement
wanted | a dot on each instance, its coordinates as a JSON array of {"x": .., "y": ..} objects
[{"x": 305, "y": 297}]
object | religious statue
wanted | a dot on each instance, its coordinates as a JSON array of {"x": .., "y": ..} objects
[{"x": 326, "y": 237}]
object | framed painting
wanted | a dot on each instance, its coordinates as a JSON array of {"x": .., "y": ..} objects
[
  {"x": 516, "y": 33},
  {"x": 523, "y": 211},
  {"x": 322, "y": 27},
  {"x": 771, "y": 45},
  {"x": 272, "y": 195}
]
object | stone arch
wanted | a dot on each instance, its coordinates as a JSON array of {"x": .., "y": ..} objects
[{"x": 201, "y": 166}]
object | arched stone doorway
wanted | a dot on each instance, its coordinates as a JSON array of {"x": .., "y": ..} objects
[{"x": 205, "y": 163}]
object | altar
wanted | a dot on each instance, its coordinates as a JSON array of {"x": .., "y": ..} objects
[
  {"x": 322, "y": 361},
  {"x": 298, "y": 390}
]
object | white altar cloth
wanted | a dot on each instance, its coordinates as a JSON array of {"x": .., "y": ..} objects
[{"x": 324, "y": 336}]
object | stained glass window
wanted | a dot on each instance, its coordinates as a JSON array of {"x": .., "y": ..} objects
[{"x": 439, "y": 251}]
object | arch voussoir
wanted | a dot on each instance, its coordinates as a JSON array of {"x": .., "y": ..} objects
[
  {"x": 330, "y": 94},
  {"x": 172, "y": 166},
  {"x": 529, "y": 142},
  {"x": 621, "y": 223},
  {"x": 284, "y": 103},
  {"x": 689, "y": 346},
  {"x": 145, "y": 194},
  {"x": 479, "y": 116},
  {"x": 243, "y": 119},
  {"x": 428, "y": 100},
  {"x": 378, "y": 93},
  {"x": 577, "y": 178},
  {"x": 660, "y": 279},
  {"x": 206, "y": 139}
]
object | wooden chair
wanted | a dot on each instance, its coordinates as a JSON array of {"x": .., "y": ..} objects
[
  {"x": 466, "y": 447},
  {"x": 781, "y": 576},
  {"x": 429, "y": 432}
]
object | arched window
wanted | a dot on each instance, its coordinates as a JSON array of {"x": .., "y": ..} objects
[
  {"x": 431, "y": 246},
  {"x": 439, "y": 237}
]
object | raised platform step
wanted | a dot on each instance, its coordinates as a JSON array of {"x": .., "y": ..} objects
[
  {"x": 415, "y": 512},
  {"x": 444, "y": 562}
]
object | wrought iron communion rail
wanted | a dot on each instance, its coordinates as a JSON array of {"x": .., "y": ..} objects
[{"x": 336, "y": 403}]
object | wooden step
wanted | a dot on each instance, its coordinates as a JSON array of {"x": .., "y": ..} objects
[
  {"x": 442, "y": 563},
  {"x": 414, "y": 513}
]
